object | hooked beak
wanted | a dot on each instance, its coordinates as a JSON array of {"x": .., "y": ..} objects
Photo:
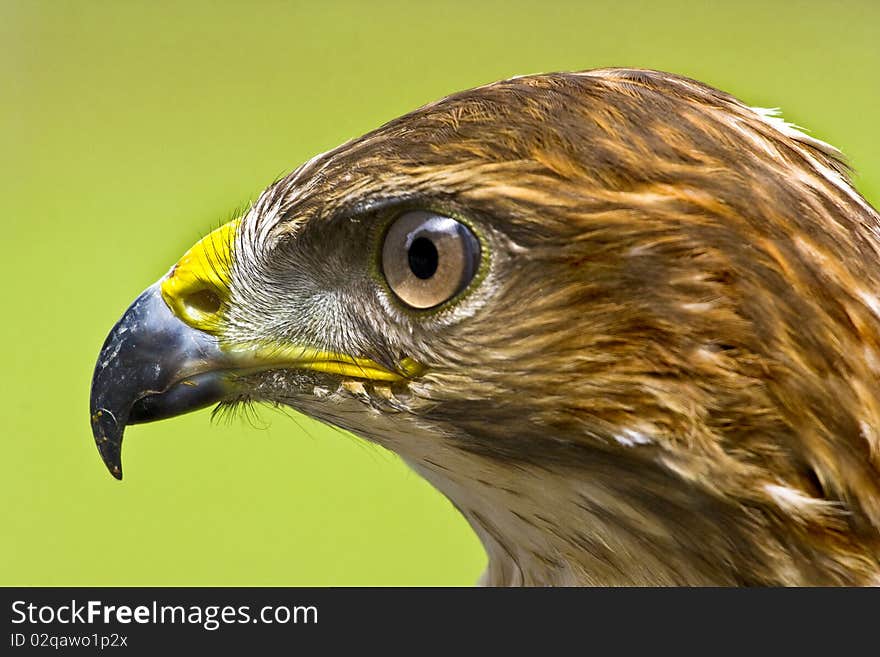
[
  {"x": 163, "y": 357},
  {"x": 152, "y": 366}
]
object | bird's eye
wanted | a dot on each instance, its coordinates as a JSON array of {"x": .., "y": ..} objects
[{"x": 427, "y": 258}]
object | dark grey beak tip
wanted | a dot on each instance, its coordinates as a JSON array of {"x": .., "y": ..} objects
[{"x": 108, "y": 438}]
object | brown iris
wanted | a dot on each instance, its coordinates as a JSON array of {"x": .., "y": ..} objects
[{"x": 427, "y": 258}]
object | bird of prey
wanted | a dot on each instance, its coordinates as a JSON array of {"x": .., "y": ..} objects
[{"x": 627, "y": 324}]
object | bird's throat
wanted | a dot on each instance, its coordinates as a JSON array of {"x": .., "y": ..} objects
[{"x": 600, "y": 527}]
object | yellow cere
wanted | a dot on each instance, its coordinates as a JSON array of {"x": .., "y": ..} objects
[{"x": 197, "y": 287}]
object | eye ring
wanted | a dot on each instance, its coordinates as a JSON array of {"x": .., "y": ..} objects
[{"x": 428, "y": 258}]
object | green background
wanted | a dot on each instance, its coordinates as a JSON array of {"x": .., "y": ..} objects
[{"x": 130, "y": 129}]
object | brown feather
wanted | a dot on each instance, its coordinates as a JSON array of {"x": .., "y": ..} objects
[{"x": 675, "y": 376}]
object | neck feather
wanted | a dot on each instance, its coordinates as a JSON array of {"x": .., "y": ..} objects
[{"x": 617, "y": 524}]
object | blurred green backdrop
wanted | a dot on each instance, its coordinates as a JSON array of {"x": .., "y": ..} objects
[{"x": 130, "y": 129}]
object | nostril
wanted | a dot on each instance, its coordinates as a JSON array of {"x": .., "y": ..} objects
[
  {"x": 204, "y": 302},
  {"x": 197, "y": 288}
]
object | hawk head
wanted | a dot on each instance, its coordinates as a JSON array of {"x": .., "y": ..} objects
[{"x": 628, "y": 325}]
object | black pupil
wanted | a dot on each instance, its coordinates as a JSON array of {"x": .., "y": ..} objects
[{"x": 423, "y": 258}]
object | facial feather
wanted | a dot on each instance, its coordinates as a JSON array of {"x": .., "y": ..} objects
[{"x": 667, "y": 372}]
